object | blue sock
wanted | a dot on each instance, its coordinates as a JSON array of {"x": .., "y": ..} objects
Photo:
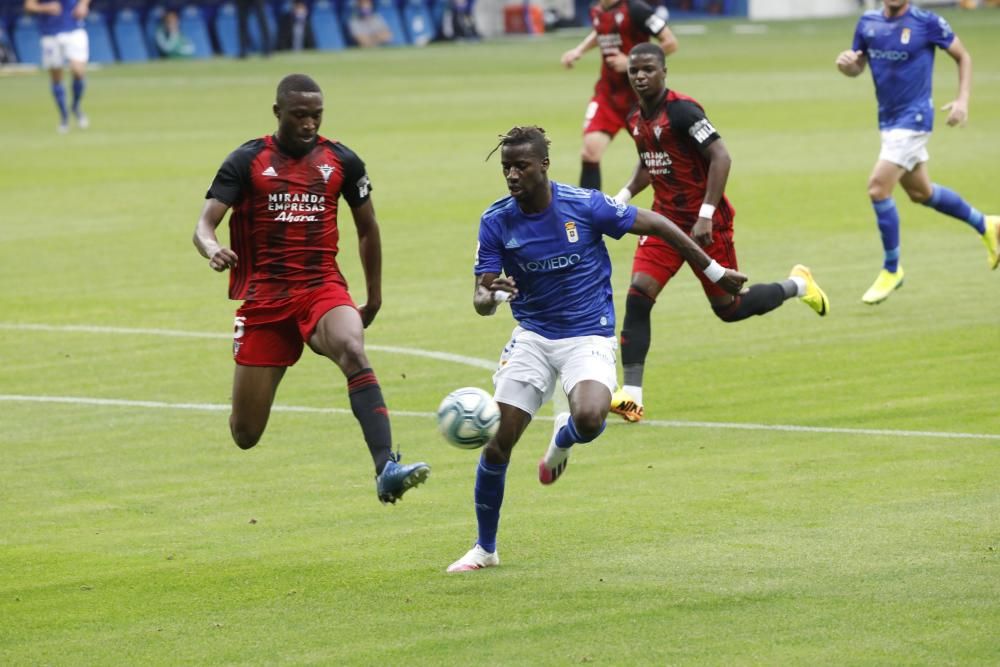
[
  {"x": 59, "y": 92},
  {"x": 888, "y": 226},
  {"x": 78, "y": 87},
  {"x": 490, "y": 480},
  {"x": 949, "y": 202},
  {"x": 568, "y": 435}
]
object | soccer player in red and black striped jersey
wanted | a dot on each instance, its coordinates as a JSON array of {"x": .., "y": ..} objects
[
  {"x": 618, "y": 26},
  {"x": 685, "y": 160},
  {"x": 284, "y": 190}
]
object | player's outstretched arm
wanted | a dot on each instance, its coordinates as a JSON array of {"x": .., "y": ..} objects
[
  {"x": 668, "y": 41},
  {"x": 958, "y": 109},
  {"x": 370, "y": 250},
  {"x": 491, "y": 290},
  {"x": 574, "y": 54},
  {"x": 851, "y": 63},
  {"x": 219, "y": 257},
  {"x": 653, "y": 224}
]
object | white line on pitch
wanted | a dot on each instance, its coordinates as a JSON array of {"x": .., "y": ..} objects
[
  {"x": 174, "y": 333},
  {"x": 219, "y": 407}
]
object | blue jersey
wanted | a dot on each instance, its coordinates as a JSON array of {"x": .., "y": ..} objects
[
  {"x": 900, "y": 52},
  {"x": 557, "y": 258},
  {"x": 64, "y": 22}
]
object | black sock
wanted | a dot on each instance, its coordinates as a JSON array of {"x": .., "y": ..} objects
[
  {"x": 370, "y": 411},
  {"x": 636, "y": 335},
  {"x": 590, "y": 175},
  {"x": 759, "y": 299}
]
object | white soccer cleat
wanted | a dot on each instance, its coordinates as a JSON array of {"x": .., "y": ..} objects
[
  {"x": 82, "y": 121},
  {"x": 554, "y": 463},
  {"x": 475, "y": 559}
]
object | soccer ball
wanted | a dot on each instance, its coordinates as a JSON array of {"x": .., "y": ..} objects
[{"x": 468, "y": 417}]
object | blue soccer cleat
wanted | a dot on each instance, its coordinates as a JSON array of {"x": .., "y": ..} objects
[{"x": 396, "y": 479}]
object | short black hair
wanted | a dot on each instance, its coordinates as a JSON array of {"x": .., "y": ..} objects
[
  {"x": 649, "y": 49},
  {"x": 525, "y": 134},
  {"x": 296, "y": 83}
]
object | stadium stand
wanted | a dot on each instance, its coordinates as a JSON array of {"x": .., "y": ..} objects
[
  {"x": 418, "y": 22},
  {"x": 326, "y": 26},
  {"x": 194, "y": 27},
  {"x": 26, "y": 40},
  {"x": 153, "y": 18},
  {"x": 129, "y": 37},
  {"x": 101, "y": 48}
]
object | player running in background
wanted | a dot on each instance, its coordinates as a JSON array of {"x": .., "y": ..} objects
[
  {"x": 547, "y": 239},
  {"x": 682, "y": 155},
  {"x": 284, "y": 190},
  {"x": 618, "y": 26},
  {"x": 900, "y": 41},
  {"x": 64, "y": 41}
]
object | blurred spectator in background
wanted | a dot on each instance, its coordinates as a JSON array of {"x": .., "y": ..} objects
[
  {"x": 294, "y": 32},
  {"x": 7, "y": 56},
  {"x": 170, "y": 41},
  {"x": 367, "y": 27},
  {"x": 257, "y": 6},
  {"x": 463, "y": 21}
]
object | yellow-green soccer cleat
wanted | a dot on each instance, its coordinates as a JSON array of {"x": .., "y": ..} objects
[
  {"x": 626, "y": 406},
  {"x": 991, "y": 239},
  {"x": 883, "y": 286},
  {"x": 814, "y": 297}
]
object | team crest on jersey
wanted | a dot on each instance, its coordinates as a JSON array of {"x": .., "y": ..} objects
[
  {"x": 571, "y": 234},
  {"x": 657, "y": 130},
  {"x": 619, "y": 17},
  {"x": 325, "y": 170},
  {"x": 904, "y": 37},
  {"x": 635, "y": 131}
]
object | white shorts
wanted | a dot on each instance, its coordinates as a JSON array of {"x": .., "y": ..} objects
[
  {"x": 907, "y": 148},
  {"x": 530, "y": 364},
  {"x": 65, "y": 46}
]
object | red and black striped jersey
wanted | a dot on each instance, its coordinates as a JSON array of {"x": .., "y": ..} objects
[
  {"x": 619, "y": 28},
  {"x": 668, "y": 144},
  {"x": 283, "y": 226}
]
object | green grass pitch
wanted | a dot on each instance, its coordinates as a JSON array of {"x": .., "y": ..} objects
[{"x": 132, "y": 531}]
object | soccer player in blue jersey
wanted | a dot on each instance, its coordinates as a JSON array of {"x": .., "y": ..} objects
[
  {"x": 899, "y": 42},
  {"x": 542, "y": 250},
  {"x": 64, "y": 41}
]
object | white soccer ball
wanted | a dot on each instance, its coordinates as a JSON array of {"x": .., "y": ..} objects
[{"x": 468, "y": 417}]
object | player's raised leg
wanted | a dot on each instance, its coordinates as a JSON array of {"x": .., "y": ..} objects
[
  {"x": 922, "y": 190},
  {"x": 339, "y": 335},
  {"x": 589, "y": 401}
]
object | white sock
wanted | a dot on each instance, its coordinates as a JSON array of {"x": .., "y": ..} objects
[
  {"x": 634, "y": 392},
  {"x": 800, "y": 283}
]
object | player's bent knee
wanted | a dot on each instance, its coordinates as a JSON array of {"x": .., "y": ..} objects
[
  {"x": 589, "y": 424},
  {"x": 244, "y": 437}
]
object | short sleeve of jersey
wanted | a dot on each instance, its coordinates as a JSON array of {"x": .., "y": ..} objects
[
  {"x": 233, "y": 176},
  {"x": 688, "y": 118},
  {"x": 357, "y": 187},
  {"x": 939, "y": 32},
  {"x": 642, "y": 14},
  {"x": 489, "y": 249},
  {"x": 610, "y": 217},
  {"x": 859, "y": 43}
]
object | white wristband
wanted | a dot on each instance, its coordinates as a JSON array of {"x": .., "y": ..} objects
[
  {"x": 499, "y": 296},
  {"x": 706, "y": 211},
  {"x": 624, "y": 196},
  {"x": 714, "y": 271}
]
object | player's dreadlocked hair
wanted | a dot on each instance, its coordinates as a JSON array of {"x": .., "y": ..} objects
[
  {"x": 525, "y": 134},
  {"x": 296, "y": 83}
]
